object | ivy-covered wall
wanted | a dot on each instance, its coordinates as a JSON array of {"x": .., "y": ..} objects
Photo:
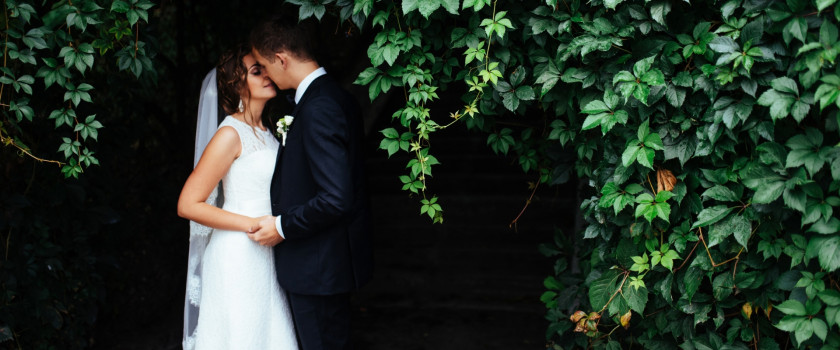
[{"x": 705, "y": 132}]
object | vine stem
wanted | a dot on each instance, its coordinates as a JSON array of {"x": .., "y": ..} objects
[
  {"x": 688, "y": 256},
  {"x": 490, "y": 40},
  {"x": 7, "y": 140},
  {"x": 608, "y": 335},
  {"x": 567, "y": 6},
  {"x": 736, "y": 257},
  {"x": 399, "y": 26},
  {"x": 527, "y": 203},
  {"x": 652, "y": 189},
  {"x": 441, "y": 127},
  {"x": 688, "y": 63},
  {"x": 622, "y": 49},
  {"x": 620, "y": 286},
  {"x": 137, "y": 40},
  {"x": 397, "y": 13}
]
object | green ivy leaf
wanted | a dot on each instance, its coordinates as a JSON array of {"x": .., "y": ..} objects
[
  {"x": 823, "y": 4},
  {"x": 629, "y": 154},
  {"x": 797, "y": 28},
  {"x": 791, "y": 307},
  {"x": 476, "y": 5},
  {"x": 830, "y": 297},
  {"x": 603, "y": 288},
  {"x": 644, "y": 156},
  {"x": 312, "y": 8},
  {"x": 721, "y": 193},
  {"x": 829, "y": 226},
  {"x": 786, "y": 85},
  {"x": 820, "y": 328},
  {"x": 668, "y": 259},
  {"x": 692, "y": 280},
  {"x": 658, "y": 11},
  {"x": 711, "y": 215},
  {"x": 804, "y": 330},
  {"x": 724, "y": 44},
  {"x": 741, "y": 228},
  {"x": 636, "y": 298},
  {"x": 653, "y": 77},
  {"x": 829, "y": 254},
  {"x": 832, "y": 315},
  {"x": 722, "y": 286},
  {"x": 828, "y": 92},
  {"x": 675, "y": 95},
  {"x": 826, "y": 249},
  {"x": 789, "y": 323},
  {"x": 611, "y": 4},
  {"x": 780, "y": 104},
  {"x": 548, "y": 78},
  {"x": 120, "y": 6},
  {"x": 768, "y": 185}
]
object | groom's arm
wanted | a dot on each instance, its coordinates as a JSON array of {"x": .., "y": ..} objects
[{"x": 327, "y": 145}]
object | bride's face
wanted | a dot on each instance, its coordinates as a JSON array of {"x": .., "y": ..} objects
[
  {"x": 274, "y": 70},
  {"x": 259, "y": 85}
]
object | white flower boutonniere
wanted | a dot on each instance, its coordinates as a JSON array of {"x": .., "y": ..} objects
[{"x": 283, "y": 127}]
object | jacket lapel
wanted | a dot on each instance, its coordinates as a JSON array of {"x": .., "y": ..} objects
[
  {"x": 310, "y": 91},
  {"x": 314, "y": 86}
]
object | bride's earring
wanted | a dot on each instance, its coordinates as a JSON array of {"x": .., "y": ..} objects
[{"x": 241, "y": 107}]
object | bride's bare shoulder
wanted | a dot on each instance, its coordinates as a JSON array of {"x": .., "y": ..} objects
[{"x": 226, "y": 140}]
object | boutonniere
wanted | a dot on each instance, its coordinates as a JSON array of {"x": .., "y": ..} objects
[{"x": 283, "y": 127}]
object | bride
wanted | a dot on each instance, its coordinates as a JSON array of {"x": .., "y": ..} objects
[{"x": 233, "y": 299}]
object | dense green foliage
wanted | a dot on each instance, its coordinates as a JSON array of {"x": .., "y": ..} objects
[
  {"x": 705, "y": 132},
  {"x": 55, "y": 232},
  {"x": 53, "y": 47}
]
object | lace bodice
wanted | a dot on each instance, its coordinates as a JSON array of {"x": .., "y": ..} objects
[{"x": 247, "y": 183}]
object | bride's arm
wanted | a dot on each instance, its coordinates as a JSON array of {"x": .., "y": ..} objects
[{"x": 215, "y": 162}]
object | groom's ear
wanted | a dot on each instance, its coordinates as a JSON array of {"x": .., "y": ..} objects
[{"x": 281, "y": 59}]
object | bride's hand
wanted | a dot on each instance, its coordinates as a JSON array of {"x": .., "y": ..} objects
[
  {"x": 266, "y": 233},
  {"x": 255, "y": 224}
]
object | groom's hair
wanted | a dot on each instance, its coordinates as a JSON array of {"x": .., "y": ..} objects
[{"x": 283, "y": 34}]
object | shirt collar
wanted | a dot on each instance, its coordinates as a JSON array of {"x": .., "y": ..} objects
[{"x": 304, "y": 84}]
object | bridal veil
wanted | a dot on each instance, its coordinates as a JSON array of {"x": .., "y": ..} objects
[{"x": 208, "y": 121}]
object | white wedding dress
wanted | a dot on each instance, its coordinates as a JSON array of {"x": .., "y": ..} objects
[{"x": 242, "y": 306}]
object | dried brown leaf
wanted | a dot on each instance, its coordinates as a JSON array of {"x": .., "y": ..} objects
[
  {"x": 577, "y": 316},
  {"x": 581, "y": 326},
  {"x": 665, "y": 180},
  {"x": 747, "y": 309},
  {"x": 625, "y": 320}
]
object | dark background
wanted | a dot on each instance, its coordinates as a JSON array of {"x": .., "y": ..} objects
[{"x": 470, "y": 283}]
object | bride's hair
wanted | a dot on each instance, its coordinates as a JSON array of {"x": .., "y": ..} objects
[{"x": 230, "y": 77}]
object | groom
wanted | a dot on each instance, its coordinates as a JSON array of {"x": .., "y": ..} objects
[{"x": 321, "y": 228}]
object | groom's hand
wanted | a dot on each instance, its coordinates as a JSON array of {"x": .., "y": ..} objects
[{"x": 265, "y": 233}]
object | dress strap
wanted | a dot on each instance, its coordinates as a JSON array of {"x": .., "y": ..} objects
[{"x": 252, "y": 139}]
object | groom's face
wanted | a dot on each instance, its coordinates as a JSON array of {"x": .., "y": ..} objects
[{"x": 276, "y": 69}]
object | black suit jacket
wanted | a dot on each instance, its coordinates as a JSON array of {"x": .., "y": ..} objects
[{"x": 319, "y": 191}]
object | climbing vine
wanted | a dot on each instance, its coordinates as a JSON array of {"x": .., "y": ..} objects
[{"x": 704, "y": 134}]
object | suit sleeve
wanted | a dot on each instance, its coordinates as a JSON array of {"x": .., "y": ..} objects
[{"x": 326, "y": 144}]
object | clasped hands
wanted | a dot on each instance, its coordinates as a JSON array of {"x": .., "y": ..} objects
[{"x": 264, "y": 232}]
